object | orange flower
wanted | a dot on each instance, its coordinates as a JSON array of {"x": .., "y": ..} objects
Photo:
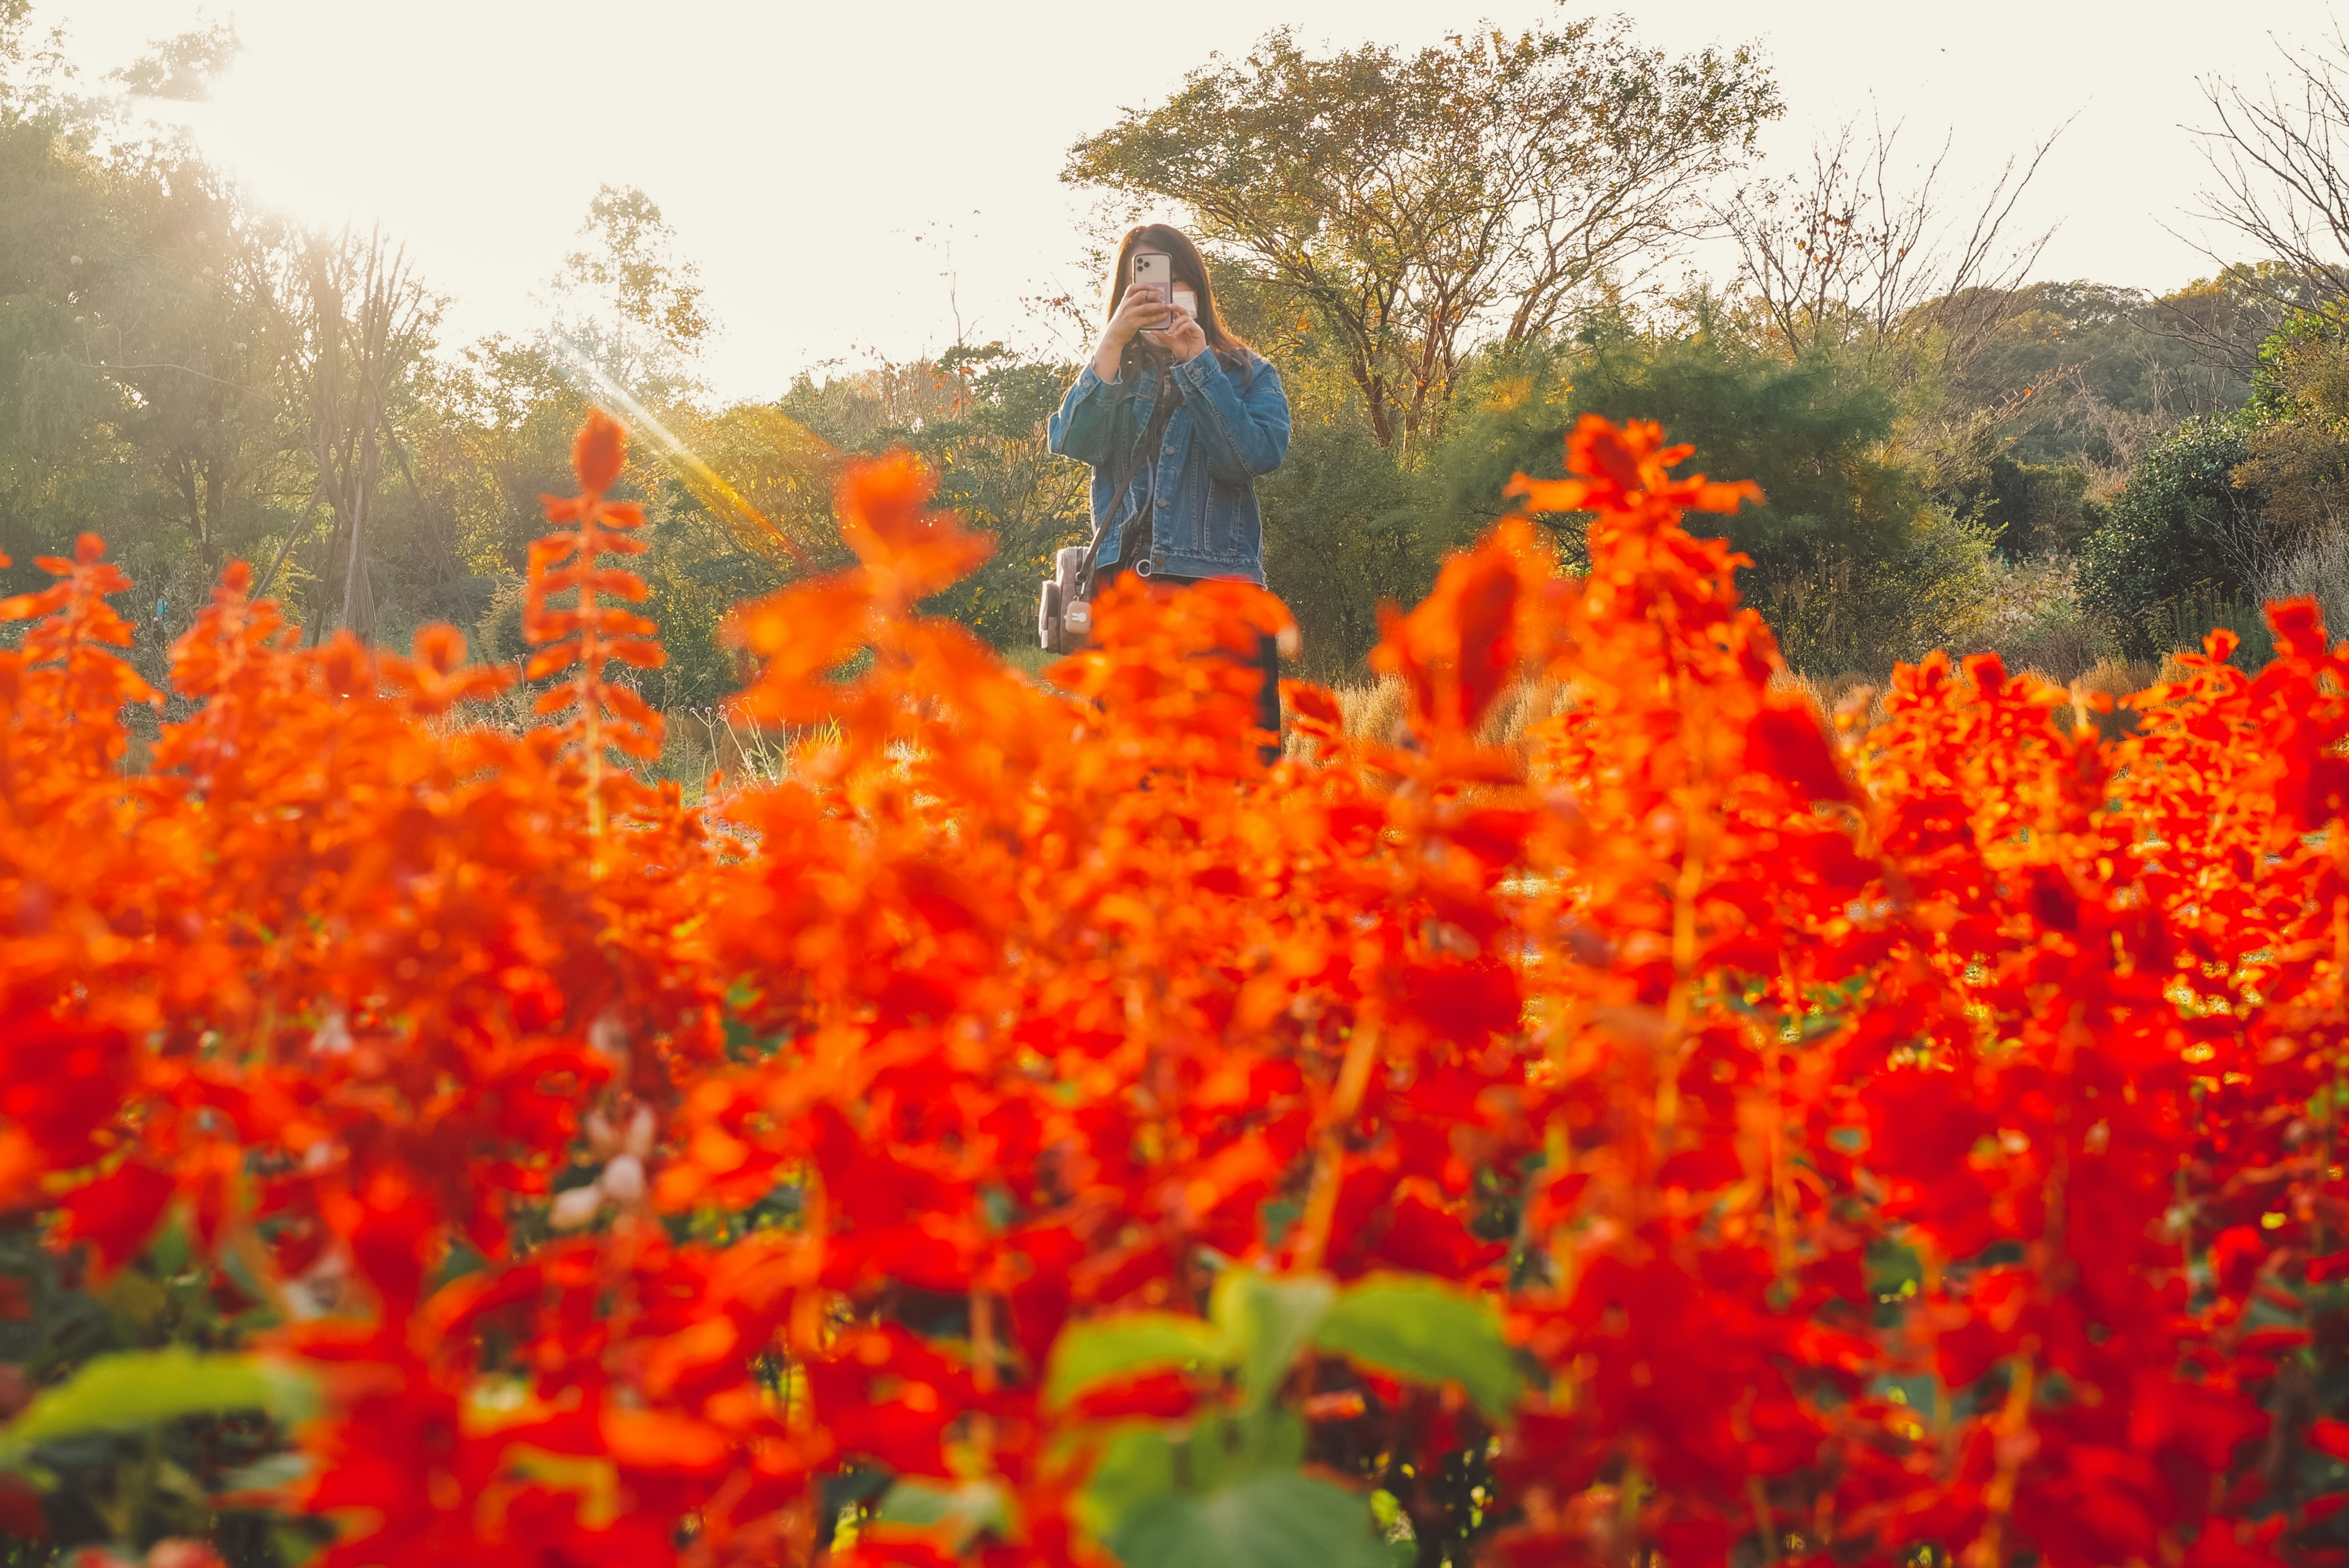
[{"x": 1662, "y": 1125}]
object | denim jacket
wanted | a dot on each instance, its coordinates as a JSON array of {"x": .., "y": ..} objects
[{"x": 1202, "y": 481}]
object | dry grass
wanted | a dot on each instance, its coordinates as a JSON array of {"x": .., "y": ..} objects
[
  {"x": 2110, "y": 674},
  {"x": 1374, "y": 709},
  {"x": 2113, "y": 677},
  {"x": 702, "y": 740},
  {"x": 2318, "y": 564},
  {"x": 2035, "y": 622},
  {"x": 1835, "y": 692},
  {"x": 2116, "y": 679}
]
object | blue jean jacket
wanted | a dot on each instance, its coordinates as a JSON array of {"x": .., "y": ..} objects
[{"x": 1202, "y": 483}]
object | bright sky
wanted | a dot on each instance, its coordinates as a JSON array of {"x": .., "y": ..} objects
[{"x": 816, "y": 160}]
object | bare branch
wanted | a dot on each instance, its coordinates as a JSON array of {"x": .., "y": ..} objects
[
  {"x": 1849, "y": 253},
  {"x": 2276, "y": 183}
]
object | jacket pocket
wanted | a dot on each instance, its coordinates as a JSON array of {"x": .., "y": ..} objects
[
  {"x": 1176, "y": 524},
  {"x": 1222, "y": 526}
]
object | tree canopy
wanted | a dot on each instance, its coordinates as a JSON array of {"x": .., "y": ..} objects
[{"x": 1418, "y": 202}]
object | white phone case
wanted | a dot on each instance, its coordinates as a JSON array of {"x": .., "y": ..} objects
[{"x": 1156, "y": 269}]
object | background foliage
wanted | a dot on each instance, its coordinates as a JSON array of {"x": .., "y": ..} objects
[{"x": 2000, "y": 464}]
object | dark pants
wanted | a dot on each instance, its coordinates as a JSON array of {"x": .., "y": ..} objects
[{"x": 1267, "y": 659}]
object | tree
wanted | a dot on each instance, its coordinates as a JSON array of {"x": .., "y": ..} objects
[
  {"x": 1481, "y": 189},
  {"x": 994, "y": 466},
  {"x": 2297, "y": 437},
  {"x": 628, "y": 300},
  {"x": 2276, "y": 181},
  {"x": 2041, "y": 509},
  {"x": 493, "y": 423},
  {"x": 2089, "y": 375},
  {"x": 181, "y": 67},
  {"x": 64, "y": 464},
  {"x": 1342, "y": 535},
  {"x": 2227, "y": 319},
  {"x": 1845, "y": 255},
  {"x": 352, "y": 323},
  {"x": 1853, "y": 563},
  {"x": 179, "y": 324},
  {"x": 184, "y": 330},
  {"x": 2180, "y": 529},
  {"x": 976, "y": 416},
  {"x": 136, "y": 379}
]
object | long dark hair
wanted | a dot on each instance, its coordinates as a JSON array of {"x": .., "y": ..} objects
[{"x": 1191, "y": 269}]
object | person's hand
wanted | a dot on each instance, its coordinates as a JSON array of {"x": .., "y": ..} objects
[
  {"x": 1141, "y": 310},
  {"x": 1184, "y": 337},
  {"x": 1138, "y": 310}
]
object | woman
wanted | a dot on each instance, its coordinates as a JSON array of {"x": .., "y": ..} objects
[{"x": 1177, "y": 418}]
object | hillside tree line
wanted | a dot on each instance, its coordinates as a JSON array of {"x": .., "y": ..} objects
[{"x": 1452, "y": 251}]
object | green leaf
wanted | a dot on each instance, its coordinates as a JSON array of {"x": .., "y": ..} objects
[
  {"x": 1143, "y": 1463},
  {"x": 169, "y": 1250},
  {"x": 136, "y": 1298},
  {"x": 1287, "y": 1521},
  {"x": 295, "y": 1547},
  {"x": 1137, "y": 1466},
  {"x": 1117, "y": 1347},
  {"x": 140, "y": 1387},
  {"x": 960, "y": 1513},
  {"x": 1428, "y": 1333},
  {"x": 269, "y": 1472},
  {"x": 1224, "y": 1450},
  {"x": 1267, "y": 1322}
]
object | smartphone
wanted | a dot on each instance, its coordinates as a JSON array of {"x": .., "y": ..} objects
[
  {"x": 1154, "y": 268},
  {"x": 1155, "y": 271}
]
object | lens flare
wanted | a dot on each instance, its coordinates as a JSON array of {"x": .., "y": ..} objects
[{"x": 695, "y": 475}]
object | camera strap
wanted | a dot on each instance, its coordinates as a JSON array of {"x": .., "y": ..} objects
[{"x": 1144, "y": 450}]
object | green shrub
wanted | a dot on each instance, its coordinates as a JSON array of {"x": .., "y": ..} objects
[
  {"x": 2180, "y": 527},
  {"x": 1854, "y": 564}
]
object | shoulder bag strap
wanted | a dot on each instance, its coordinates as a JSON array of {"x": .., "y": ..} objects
[{"x": 1143, "y": 446}]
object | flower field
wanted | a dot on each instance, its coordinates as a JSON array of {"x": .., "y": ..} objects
[{"x": 1036, "y": 1131}]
